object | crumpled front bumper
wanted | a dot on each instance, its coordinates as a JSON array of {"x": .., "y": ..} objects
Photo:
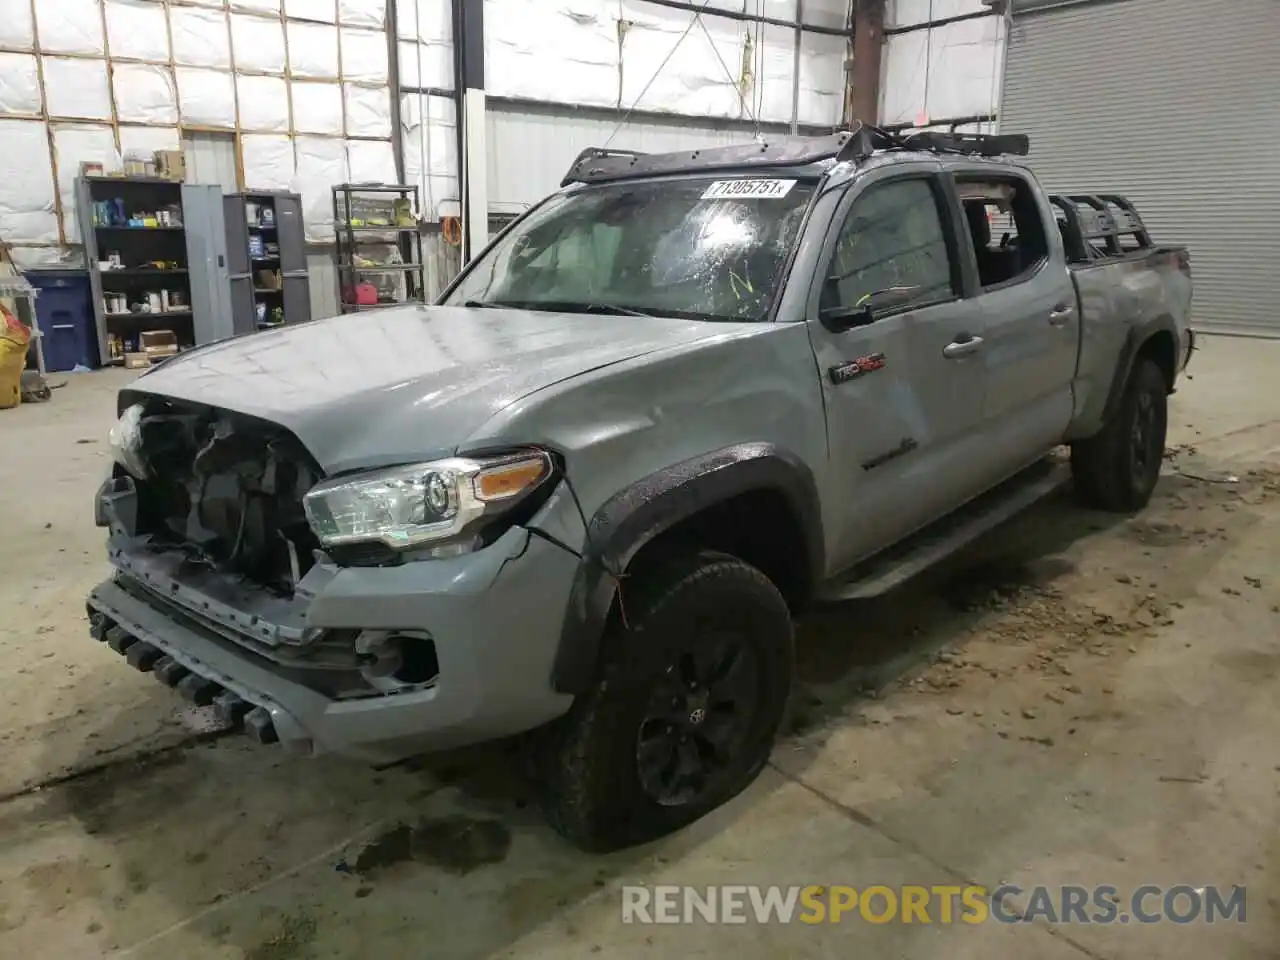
[{"x": 494, "y": 617}]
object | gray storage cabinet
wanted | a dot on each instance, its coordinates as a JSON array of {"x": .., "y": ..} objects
[
  {"x": 196, "y": 244},
  {"x": 207, "y": 253},
  {"x": 283, "y": 251}
]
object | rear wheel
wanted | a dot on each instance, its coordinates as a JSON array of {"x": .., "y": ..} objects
[
  {"x": 685, "y": 710},
  {"x": 1118, "y": 468}
]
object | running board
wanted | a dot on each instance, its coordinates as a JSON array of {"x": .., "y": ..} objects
[{"x": 898, "y": 564}]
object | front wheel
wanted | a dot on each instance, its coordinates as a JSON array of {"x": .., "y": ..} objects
[
  {"x": 1118, "y": 468},
  {"x": 682, "y": 718}
]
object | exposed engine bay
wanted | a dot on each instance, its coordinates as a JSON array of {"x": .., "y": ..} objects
[{"x": 225, "y": 489}]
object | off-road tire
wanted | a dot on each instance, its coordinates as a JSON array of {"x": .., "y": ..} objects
[
  {"x": 1109, "y": 472},
  {"x": 588, "y": 777}
]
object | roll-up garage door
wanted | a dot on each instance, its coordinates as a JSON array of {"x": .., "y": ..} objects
[{"x": 1174, "y": 103}]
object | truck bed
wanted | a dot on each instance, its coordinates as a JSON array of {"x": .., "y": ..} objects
[{"x": 1125, "y": 285}]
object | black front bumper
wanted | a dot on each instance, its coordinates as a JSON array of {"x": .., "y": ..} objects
[{"x": 232, "y": 710}]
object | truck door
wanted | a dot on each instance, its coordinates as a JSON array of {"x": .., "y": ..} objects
[
  {"x": 903, "y": 383},
  {"x": 1030, "y": 309}
]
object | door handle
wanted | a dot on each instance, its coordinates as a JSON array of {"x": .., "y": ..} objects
[
  {"x": 958, "y": 349},
  {"x": 1060, "y": 314}
]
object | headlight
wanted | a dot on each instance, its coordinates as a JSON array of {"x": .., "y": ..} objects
[
  {"x": 126, "y": 441},
  {"x": 426, "y": 503}
]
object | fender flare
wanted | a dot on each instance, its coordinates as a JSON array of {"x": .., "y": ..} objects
[
  {"x": 1133, "y": 342},
  {"x": 635, "y": 516}
]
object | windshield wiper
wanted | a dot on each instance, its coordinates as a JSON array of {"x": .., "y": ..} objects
[
  {"x": 560, "y": 306},
  {"x": 608, "y": 308},
  {"x": 575, "y": 306}
]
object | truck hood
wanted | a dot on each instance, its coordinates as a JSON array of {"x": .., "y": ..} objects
[{"x": 384, "y": 387}]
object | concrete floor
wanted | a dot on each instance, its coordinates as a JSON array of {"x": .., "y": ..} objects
[{"x": 1079, "y": 699}]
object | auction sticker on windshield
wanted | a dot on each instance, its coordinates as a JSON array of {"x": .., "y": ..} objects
[{"x": 733, "y": 189}]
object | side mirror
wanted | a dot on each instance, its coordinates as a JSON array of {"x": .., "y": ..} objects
[{"x": 838, "y": 317}]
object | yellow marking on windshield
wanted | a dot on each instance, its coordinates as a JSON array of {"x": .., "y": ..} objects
[{"x": 735, "y": 281}]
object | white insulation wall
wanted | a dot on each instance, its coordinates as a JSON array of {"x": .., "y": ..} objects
[
  {"x": 940, "y": 71},
  {"x": 531, "y": 150},
  {"x": 631, "y": 54},
  {"x": 638, "y": 75},
  {"x": 304, "y": 83},
  {"x": 305, "y": 86}
]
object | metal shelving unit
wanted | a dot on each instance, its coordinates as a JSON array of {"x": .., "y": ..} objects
[{"x": 378, "y": 215}]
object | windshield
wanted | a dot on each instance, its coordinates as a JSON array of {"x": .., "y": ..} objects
[{"x": 700, "y": 249}]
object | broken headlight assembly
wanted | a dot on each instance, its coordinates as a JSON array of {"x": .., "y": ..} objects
[
  {"x": 125, "y": 439},
  {"x": 441, "y": 508}
]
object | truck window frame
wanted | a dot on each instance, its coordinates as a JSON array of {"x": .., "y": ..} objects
[
  {"x": 947, "y": 212},
  {"x": 1022, "y": 184}
]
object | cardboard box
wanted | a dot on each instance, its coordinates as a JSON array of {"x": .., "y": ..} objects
[
  {"x": 154, "y": 344},
  {"x": 269, "y": 280},
  {"x": 136, "y": 361},
  {"x": 171, "y": 165}
]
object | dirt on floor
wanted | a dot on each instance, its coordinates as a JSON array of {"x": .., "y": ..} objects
[{"x": 1079, "y": 699}]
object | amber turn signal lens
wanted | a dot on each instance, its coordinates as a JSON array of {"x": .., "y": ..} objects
[{"x": 509, "y": 479}]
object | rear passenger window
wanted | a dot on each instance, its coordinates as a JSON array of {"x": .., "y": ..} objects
[
  {"x": 892, "y": 248},
  {"x": 1010, "y": 240}
]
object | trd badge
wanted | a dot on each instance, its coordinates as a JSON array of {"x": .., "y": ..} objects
[{"x": 852, "y": 369}]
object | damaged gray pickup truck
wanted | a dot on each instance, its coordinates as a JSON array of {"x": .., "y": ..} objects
[{"x": 584, "y": 496}]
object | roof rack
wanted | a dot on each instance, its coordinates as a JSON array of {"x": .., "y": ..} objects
[
  {"x": 599, "y": 165},
  {"x": 600, "y": 153},
  {"x": 978, "y": 144}
]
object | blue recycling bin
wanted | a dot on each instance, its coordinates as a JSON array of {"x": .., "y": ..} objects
[{"x": 65, "y": 311}]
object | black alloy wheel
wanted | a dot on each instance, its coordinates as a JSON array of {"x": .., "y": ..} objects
[
  {"x": 697, "y": 720},
  {"x": 691, "y": 690},
  {"x": 1118, "y": 468}
]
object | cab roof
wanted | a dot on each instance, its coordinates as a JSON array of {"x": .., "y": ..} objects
[{"x": 808, "y": 154}]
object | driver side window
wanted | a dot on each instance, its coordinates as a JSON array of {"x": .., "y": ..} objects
[{"x": 891, "y": 249}]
